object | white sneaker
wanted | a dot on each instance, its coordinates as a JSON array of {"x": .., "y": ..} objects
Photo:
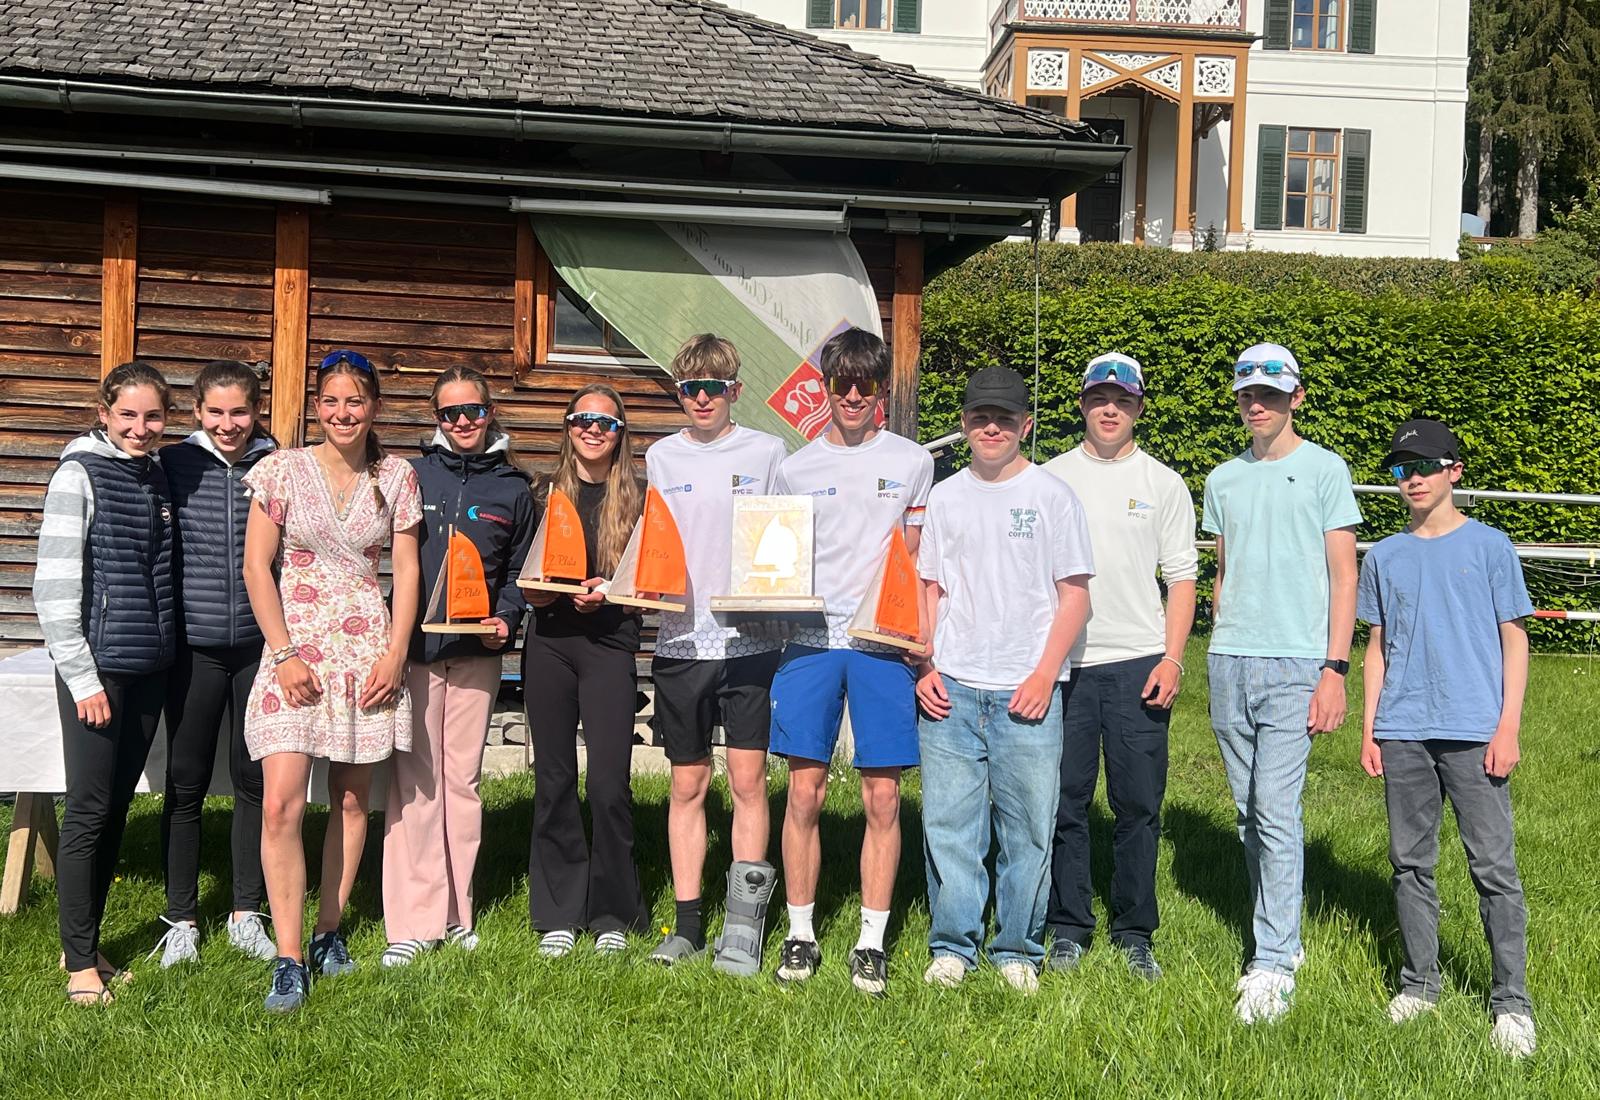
[
  {"x": 249, "y": 934},
  {"x": 1513, "y": 1034},
  {"x": 1264, "y": 996},
  {"x": 945, "y": 970},
  {"x": 1408, "y": 1007},
  {"x": 180, "y": 943},
  {"x": 1021, "y": 977}
]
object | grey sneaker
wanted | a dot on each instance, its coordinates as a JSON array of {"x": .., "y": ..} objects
[
  {"x": 180, "y": 944},
  {"x": 1141, "y": 961},
  {"x": 291, "y": 984},
  {"x": 1064, "y": 955},
  {"x": 330, "y": 955},
  {"x": 249, "y": 934}
]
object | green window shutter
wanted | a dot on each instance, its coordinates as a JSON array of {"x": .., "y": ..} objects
[
  {"x": 1363, "y": 26},
  {"x": 1353, "y": 185},
  {"x": 908, "y": 16},
  {"x": 819, "y": 13},
  {"x": 1276, "y": 36},
  {"x": 1271, "y": 142}
]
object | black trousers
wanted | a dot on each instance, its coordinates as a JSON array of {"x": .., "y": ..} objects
[
  {"x": 204, "y": 684},
  {"x": 571, "y": 882},
  {"x": 103, "y": 767},
  {"x": 1102, "y": 708}
]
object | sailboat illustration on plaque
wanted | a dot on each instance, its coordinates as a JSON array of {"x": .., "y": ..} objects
[
  {"x": 890, "y": 611},
  {"x": 652, "y": 562},
  {"x": 461, "y": 589},
  {"x": 772, "y": 556},
  {"x": 558, "y": 561}
]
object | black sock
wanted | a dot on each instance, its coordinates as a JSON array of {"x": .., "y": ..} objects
[{"x": 688, "y": 923}]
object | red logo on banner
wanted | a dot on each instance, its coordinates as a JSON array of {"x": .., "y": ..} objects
[{"x": 802, "y": 398}]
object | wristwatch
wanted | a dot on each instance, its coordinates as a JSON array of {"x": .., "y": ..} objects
[{"x": 1341, "y": 667}]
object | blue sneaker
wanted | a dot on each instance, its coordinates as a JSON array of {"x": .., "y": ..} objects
[
  {"x": 291, "y": 984},
  {"x": 330, "y": 955}
]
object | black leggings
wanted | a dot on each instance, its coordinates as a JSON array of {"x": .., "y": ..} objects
[
  {"x": 568, "y": 887},
  {"x": 103, "y": 767},
  {"x": 204, "y": 683}
]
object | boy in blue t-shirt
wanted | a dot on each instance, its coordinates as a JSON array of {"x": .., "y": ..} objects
[{"x": 1445, "y": 673}]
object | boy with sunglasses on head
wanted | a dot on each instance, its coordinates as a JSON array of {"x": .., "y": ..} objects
[
  {"x": 1284, "y": 605},
  {"x": 1445, "y": 673},
  {"x": 707, "y": 673},
  {"x": 866, "y": 485}
]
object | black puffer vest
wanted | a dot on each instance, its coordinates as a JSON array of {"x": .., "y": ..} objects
[
  {"x": 128, "y": 606},
  {"x": 213, "y": 507}
]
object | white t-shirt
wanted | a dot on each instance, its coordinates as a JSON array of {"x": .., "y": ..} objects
[
  {"x": 1141, "y": 517},
  {"x": 698, "y": 482},
  {"x": 997, "y": 550},
  {"x": 860, "y": 495}
]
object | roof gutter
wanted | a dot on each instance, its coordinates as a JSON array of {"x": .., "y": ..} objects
[{"x": 45, "y": 93}]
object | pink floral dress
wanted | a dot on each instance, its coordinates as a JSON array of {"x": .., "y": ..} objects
[{"x": 333, "y": 607}]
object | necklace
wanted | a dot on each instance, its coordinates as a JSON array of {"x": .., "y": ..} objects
[{"x": 343, "y": 496}]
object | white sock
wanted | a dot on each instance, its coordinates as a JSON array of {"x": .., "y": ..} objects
[
  {"x": 874, "y": 922},
  {"x": 800, "y": 922}
]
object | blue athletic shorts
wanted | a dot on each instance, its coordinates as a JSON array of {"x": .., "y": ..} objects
[{"x": 808, "y": 698}]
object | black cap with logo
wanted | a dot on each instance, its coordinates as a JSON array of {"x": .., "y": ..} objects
[
  {"x": 1001, "y": 387},
  {"x": 1422, "y": 439}
]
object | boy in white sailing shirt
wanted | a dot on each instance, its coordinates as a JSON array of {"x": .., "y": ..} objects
[
  {"x": 1006, "y": 562},
  {"x": 865, "y": 484},
  {"x": 707, "y": 673},
  {"x": 1126, "y": 667}
]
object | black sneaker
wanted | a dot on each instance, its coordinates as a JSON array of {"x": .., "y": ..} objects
[
  {"x": 1064, "y": 955},
  {"x": 799, "y": 960},
  {"x": 330, "y": 955},
  {"x": 869, "y": 971},
  {"x": 291, "y": 984},
  {"x": 1141, "y": 961}
]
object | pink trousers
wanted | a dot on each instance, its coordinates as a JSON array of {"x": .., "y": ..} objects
[{"x": 434, "y": 821}]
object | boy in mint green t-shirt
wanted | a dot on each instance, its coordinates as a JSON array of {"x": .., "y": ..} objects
[{"x": 1284, "y": 516}]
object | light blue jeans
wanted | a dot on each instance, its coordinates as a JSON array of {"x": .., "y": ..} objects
[
  {"x": 1259, "y": 707},
  {"x": 983, "y": 764}
]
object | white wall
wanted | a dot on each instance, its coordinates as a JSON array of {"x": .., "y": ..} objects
[{"x": 952, "y": 46}]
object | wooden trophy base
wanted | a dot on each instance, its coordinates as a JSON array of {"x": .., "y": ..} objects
[
  {"x": 910, "y": 645},
  {"x": 555, "y": 586},
  {"x": 457, "y": 628},
  {"x": 771, "y": 605},
  {"x": 644, "y": 604}
]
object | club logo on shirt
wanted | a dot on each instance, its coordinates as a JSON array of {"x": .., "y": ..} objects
[
  {"x": 830, "y": 491},
  {"x": 889, "y": 490},
  {"x": 476, "y": 512},
  {"x": 742, "y": 483},
  {"x": 1138, "y": 509},
  {"x": 1023, "y": 521},
  {"x": 686, "y": 487}
]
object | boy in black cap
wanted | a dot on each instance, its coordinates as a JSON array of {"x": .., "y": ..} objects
[
  {"x": 1445, "y": 673},
  {"x": 1005, "y": 562}
]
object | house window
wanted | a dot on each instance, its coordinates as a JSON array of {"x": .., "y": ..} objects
[
  {"x": 900, "y": 16},
  {"x": 1317, "y": 25},
  {"x": 1311, "y": 180},
  {"x": 579, "y": 330},
  {"x": 863, "y": 15}
]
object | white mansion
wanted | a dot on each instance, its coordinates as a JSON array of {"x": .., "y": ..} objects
[{"x": 1334, "y": 126}]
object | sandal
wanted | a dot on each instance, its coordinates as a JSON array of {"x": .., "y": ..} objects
[{"x": 101, "y": 996}]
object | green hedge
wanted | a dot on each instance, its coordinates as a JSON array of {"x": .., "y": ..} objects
[{"x": 1516, "y": 375}]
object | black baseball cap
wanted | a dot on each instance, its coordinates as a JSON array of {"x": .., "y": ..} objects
[
  {"x": 1422, "y": 439},
  {"x": 1001, "y": 387}
]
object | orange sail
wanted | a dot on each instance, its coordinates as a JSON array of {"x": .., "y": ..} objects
[
  {"x": 565, "y": 553},
  {"x": 661, "y": 568},
  {"x": 468, "y": 594},
  {"x": 897, "y": 594}
]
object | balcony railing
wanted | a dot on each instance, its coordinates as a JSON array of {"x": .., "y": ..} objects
[{"x": 1208, "y": 14}]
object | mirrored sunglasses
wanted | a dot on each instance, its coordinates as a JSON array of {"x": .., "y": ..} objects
[
  {"x": 1269, "y": 367},
  {"x": 473, "y": 411},
  {"x": 711, "y": 387},
  {"x": 1420, "y": 467},
  {"x": 1113, "y": 372},
  {"x": 841, "y": 386},
  {"x": 345, "y": 355},
  {"x": 583, "y": 421}
]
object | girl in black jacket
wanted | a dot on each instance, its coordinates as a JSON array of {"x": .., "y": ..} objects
[
  {"x": 218, "y": 654},
  {"x": 433, "y": 825}
]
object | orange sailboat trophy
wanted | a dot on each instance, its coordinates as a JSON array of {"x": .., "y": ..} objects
[
  {"x": 652, "y": 564},
  {"x": 462, "y": 590},
  {"x": 559, "y": 558},
  {"x": 890, "y": 611}
]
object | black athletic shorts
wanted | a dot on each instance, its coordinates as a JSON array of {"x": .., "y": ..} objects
[{"x": 692, "y": 696}]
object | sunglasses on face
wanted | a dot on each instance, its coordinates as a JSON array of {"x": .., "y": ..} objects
[
  {"x": 473, "y": 411},
  {"x": 344, "y": 355},
  {"x": 841, "y": 386},
  {"x": 1272, "y": 368},
  {"x": 1421, "y": 467},
  {"x": 1113, "y": 372},
  {"x": 711, "y": 387},
  {"x": 583, "y": 421}
]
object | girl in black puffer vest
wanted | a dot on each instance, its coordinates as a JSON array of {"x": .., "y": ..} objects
[
  {"x": 103, "y": 591},
  {"x": 218, "y": 653}
]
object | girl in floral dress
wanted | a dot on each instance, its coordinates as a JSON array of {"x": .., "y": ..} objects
[{"x": 332, "y": 679}]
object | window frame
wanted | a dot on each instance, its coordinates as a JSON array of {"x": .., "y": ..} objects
[
  {"x": 888, "y": 17},
  {"x": 1317, "y": 16},
  {"x": 1310, "y": 156},
  {"x": 569, "y": 353}
]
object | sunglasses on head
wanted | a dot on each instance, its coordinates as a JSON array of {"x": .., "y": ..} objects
[
  {"x": 1269, "y": 367},
  {"x": 583, "y": 421},
  {"x": 711, "y": 387},
  {"x": 841, "y": 386},
  {"x": 472, "y": 410},
  {"x": 1113, "y": 372},
  {"x": 1421, "y": 467},
  {"x": 344, "y": 355}
]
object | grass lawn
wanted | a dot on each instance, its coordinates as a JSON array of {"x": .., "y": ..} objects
[{"x": 503, "y": 1022}]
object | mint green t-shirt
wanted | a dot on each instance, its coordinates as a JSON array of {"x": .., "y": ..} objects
[{"x": 1272, "y": 517}]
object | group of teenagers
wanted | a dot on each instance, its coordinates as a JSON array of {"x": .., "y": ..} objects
[{"x": 226, "y": 576}]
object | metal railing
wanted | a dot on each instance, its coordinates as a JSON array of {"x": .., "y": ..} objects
[{"x": 1213, "y": 14}]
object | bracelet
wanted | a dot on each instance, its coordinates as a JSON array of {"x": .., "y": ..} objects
[
  {"x": 281, "y": 655},
  {"x": 1175, "y": 661}
]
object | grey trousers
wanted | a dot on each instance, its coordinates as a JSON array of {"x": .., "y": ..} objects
[{"x": 1417, "y": 775}]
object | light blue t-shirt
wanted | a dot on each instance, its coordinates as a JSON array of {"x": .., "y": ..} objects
[
  {"x": 1440, "y": 602},
  {"x": 1272, "y": 517}
]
